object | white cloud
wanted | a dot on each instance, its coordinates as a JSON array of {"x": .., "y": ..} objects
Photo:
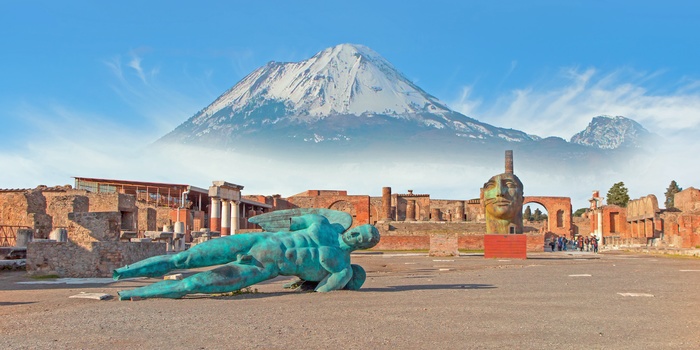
[
  {"x": 467, "y": 106},
  {"x": 159, "y": 106},
  {"x": 135, "y": 63},
  {"x": 567, "y": 104}
]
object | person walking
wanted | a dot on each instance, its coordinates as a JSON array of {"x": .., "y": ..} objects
[{"x": 594, "y": 242}]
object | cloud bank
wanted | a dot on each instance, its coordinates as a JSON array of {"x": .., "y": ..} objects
[{"x": 566, "y": 104}]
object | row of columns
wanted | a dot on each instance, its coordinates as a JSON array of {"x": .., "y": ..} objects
[
  {"x": 642, "y": 228},
  {"x": 223, "y": 218},
  {"x": 412, "y": 208}
]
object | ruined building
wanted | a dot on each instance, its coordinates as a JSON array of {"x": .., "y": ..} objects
[{"x": 642, "y": 223}]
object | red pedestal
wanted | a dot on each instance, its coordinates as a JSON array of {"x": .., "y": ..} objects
[{"x": 505, "y": 246}]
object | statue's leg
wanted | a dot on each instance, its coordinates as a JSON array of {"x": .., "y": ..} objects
[
  {"x": 151, "y": 267},
  {"x": 358, "y": 278},
  {"x": 214, "y": 252},
  {"x": 228, "y": 278}
]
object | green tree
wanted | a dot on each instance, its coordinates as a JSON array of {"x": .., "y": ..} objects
[
  {"x": 527, "y": 215},
  {"x": 580, "y": 212},
  {"x": 538, "y": 215},
  {"x": 617, "y": 195},
  {"x": 670, "y": 193}
]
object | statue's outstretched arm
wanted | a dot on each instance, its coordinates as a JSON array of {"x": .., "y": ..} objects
[
  {"x": 335, "y": 281},
  {"x": 337, "y": 263}
]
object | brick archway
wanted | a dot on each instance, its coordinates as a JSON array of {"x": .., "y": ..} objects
[
  {"x": 373, "y": 214},
  {"x": 558, "y": 210},
  {"x": 344, "y": 206}
]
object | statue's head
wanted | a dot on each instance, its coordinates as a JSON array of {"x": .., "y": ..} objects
[
  {"x": 502, "y": 196},
  {"x": 361, "y": 237}
]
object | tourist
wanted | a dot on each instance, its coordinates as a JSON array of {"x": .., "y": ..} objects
[{"x": 594, "y": 242}]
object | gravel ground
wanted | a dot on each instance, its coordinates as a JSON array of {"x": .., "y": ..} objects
[{"x": 549, "y": 301}]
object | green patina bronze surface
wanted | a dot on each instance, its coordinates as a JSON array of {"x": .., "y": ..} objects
[
  {"x": 306, "y": 244},
  {"x": 502, "y": 198}
]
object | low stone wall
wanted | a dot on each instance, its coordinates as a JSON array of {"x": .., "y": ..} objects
[
  {"x": 67, "y": 259},
  {"x": 655, "y": 250},
  {"x": 404, "y": 235}
]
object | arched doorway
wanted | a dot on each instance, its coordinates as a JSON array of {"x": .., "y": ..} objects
[
  {"x": 559, "y": 217},
  {"x": 558, "y": 211},
  {"x": 535, "y": 217},
  {"x": 346, "y": 207}
]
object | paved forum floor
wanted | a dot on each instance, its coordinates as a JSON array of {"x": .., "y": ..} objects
[{"x": 549, "y": 301}]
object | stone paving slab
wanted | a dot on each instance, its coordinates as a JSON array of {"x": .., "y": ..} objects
[{"x": 410, "y": 301}]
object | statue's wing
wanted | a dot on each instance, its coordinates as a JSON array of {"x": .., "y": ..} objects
[{"x": 277, "y": 221}]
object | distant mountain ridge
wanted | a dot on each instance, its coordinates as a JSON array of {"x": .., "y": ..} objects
[
  {"x": 607, "y": 132},
  {"x": 322, "y": 98},
  {"x": 349, "y": 100}
]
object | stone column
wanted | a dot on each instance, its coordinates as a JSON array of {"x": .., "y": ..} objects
[
  {"x": 215, "y": 215},
  {"x": 23, "y": 236},
  {"x": 235, "y": 222},
  {"x": 509, "y": 162},
  {"x": 386, "y": 203},
  {"x": 59, "y": 235},
  {"x": 459, "y": 213},
  {"x": 225, "y": 217},
  {"x": 411, "y": 210}
]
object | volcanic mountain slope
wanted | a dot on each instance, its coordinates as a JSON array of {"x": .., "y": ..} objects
[
  {"x": 344, "y": 95},
  {"x": 606, "y": 132},
  {"x": 348, "y": 103}
]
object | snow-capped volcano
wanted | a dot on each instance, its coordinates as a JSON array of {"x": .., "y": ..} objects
[
  {"x": 342, "y": 93},
  {"x": 345, "y": 79}
]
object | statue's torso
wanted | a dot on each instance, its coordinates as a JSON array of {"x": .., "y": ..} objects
[{"x": 299, "y": 253}]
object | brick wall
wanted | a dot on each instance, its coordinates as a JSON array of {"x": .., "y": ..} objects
[
  {"x": 147, "y": 219},
  {"x": 101, "y": 202},
  {"x": 25, "y": 208},
  {"x": 357, "y": 206},
  {"x": 687, "y": 200},
  {"x": 85, "y": 228},
  {"x": 505, "y": 246},
  {"x": 448, "y": 208},
  {"x": 58, "y": 205},
  {"x": 396, "y": 235},
  {"x": 14, "y": 209},
  {"x": 97, "y": 259},
  {"x": 689, "y": 230}
]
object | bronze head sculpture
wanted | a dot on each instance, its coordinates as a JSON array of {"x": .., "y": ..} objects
[{"x": 502, "y": 198}]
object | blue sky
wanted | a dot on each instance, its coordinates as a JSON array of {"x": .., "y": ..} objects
[{"x": 85, "y": 81}]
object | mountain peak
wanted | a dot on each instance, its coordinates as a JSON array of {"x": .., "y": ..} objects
[
  {"x": 341, "y": 87},
  {"x": 608, "y": 132},
  {"x": 349, "y": 50}
]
